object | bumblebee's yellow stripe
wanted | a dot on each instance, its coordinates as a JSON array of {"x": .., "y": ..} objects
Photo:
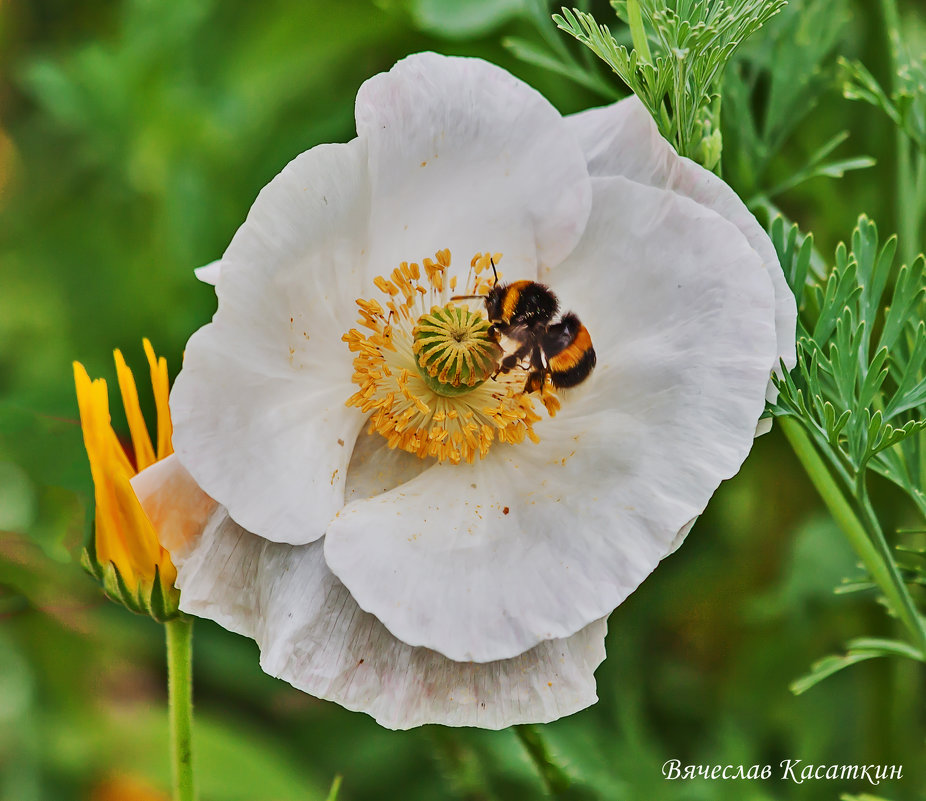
[
  {"x": 572, "y": 355},
  {"x": 512, "y": 296}
]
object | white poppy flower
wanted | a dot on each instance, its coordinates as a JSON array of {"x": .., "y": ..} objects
[{"x": 412, "y": 545}]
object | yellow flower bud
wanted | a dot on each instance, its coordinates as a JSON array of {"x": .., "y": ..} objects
[{"x": 124, "y": 553}]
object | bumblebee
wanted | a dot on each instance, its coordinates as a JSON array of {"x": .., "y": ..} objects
[{"x": 521, "y": 316}]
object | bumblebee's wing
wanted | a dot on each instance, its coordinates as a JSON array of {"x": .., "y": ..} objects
[
  {"x": 561, "y": 335},
  {"x": 513, "y": 337}
]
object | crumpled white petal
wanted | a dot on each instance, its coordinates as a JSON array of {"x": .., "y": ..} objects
[
  {"x": 312, "y": 634},
  {"x": 483, "y": 561},
  {"x": 258, "y": 408},
  {"x": 622, "y": 139},
  {"x": 465, "y": 156}
]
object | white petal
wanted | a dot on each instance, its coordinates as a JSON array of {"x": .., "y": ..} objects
[
  {"x": 376, "y": 468},
  {"x": 176, "y": 506},
  {"x": 765, "y": 423},
  {"x": 622, "y": 139},
  {"x": 465, "y": 156},
  {"x": 258, "y": 407},
  {"x": 312, "y": 634},
  {"x": 209, "y": 273},
  {"x": 480, "y": 562},
  {"x": 681, "y": 536}
]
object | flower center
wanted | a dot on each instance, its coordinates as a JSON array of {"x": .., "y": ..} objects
[
  {"x": 454, "y": 352},
  {"x": 427, "y": 368}
]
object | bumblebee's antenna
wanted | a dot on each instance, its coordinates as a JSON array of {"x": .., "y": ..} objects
[
  {"x": 468, "y": 297},
  {"x": 483, "y": 298}
]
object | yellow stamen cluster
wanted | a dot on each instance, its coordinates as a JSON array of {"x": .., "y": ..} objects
[{"x": 424, "y": 365}]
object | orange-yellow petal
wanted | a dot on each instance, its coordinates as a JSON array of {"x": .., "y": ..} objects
[
  {"x": 125, "y": 787},
  {"x": 123, "y": 534},
  {"x": 93, "y": 401},
  {"x": 103, "y": 451},
  {"x": 160, "y": 384},
  {"x": 141, "y": 441},
  {"x": 167, "y": 571}
]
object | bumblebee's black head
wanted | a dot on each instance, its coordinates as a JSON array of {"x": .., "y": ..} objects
[
  {"x": 494, "y": 301},
  {"x": 521, "y": 303}
]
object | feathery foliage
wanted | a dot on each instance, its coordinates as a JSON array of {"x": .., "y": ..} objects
[
  {"x": 858, "y": 394},
  {"x": 677, "y": 59}
]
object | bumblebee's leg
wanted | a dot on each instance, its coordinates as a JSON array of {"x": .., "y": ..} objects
[
  {"x": 507, "y": 364},
  {"x": 537, "y": 377},
  {"x": 536, "y": 380},
  {"x": 512, "y": 360}
]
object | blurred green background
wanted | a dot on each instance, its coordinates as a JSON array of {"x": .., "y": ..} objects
[{"x": 134, "y": 134}]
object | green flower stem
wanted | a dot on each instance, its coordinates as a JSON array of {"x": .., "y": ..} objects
[
  {"x": 907, "y": 196},
  {"x": 638, "y": 32},
  {"x": 180, "y": 703},
  {"x": 877, "y": 560},
  {"x": 335, "y": 788},
  {"x": 880, "y": 541},
  {"x": 554, "y": 777}
]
